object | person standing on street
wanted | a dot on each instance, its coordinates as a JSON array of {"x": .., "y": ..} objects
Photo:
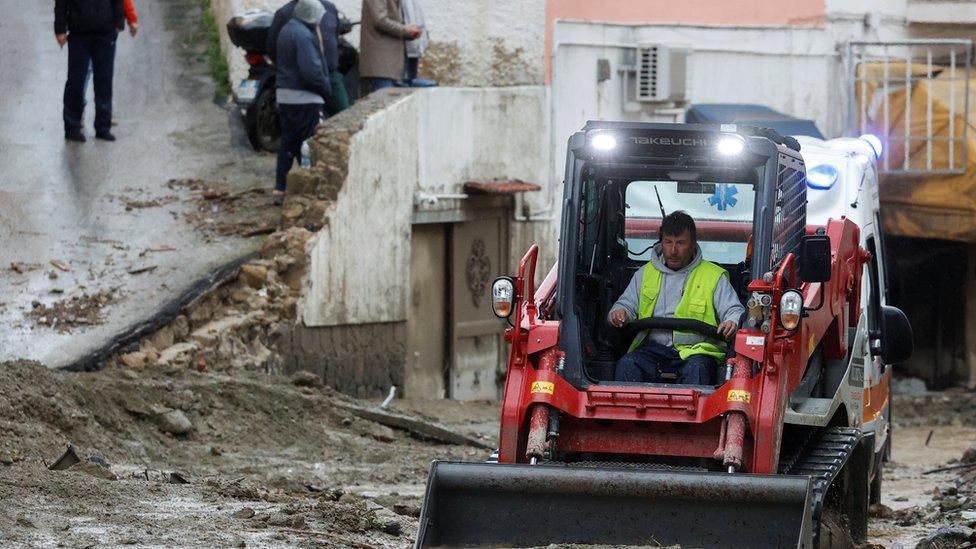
[
  {"x": 90, "y": 29},
  {"x": 131, "y": 17},
  {"x": 302, "y": 85},
  {"x": 338, "y": 100},
  {"x": 381, "y": 43}
]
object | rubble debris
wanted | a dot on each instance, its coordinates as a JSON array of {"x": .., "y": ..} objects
[
  {"x": 220, "y": 212},
  {"x": 67, "y": 459},
  {"x": 424, "y": 429},
  {"x": 936, "y": 409},
  {"x": 254, "y": 275},
  {"x": 947, "y": 537},
  {"x": 174, "y": 422},
  {"x": 131, "y": 204},
  {"x": 969, "y": 456},
  {"x": 60, "y": 265},
  {"x": 407, "y": 510},
  {"x": 134, "y": 360},
  {"x": 135, "y": 270},
  {"x": 244, "y": 513},
  {"x": 71, "y": 312},
  {"x": 304, "y": 378},
  {"x": 155, "y": 249},
  {"x": 908, "y": 386},
  {"x": 95, "y": 466},
  {"x": 880, "y": 510},
  {"x": 374, "y": 430},
  {"x": 17, "y": 267},
  {"x": 177, "y": 478}
]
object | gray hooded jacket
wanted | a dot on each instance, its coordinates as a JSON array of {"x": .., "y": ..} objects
[{"x": 726, "y": 303}]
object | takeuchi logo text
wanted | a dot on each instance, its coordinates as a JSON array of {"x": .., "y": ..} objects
[{"x": 670, "y": 141}]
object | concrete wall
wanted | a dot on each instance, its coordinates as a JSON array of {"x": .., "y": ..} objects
[
  {"x": 473, "y": 42},
  {"x": 430, "y": 141}
]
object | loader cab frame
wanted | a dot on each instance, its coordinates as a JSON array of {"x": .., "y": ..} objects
[{"x": 619, "y": 174}]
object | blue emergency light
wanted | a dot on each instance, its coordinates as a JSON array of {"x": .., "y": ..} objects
[{"x": 821, "y": 177}]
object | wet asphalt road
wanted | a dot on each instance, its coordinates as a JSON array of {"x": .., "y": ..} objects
[{"x": 64, "y": 201}]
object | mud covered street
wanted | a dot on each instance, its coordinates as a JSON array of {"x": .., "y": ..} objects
[
  {"x": 173, "y": 456},
  {"x": 265, "y": 461}
]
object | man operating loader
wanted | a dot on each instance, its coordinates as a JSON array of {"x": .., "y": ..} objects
[{"x": 676, "y": 283}]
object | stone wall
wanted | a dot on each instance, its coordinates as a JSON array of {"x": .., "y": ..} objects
[{"x": 376, "y": 158}]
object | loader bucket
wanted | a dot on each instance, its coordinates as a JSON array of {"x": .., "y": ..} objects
[{"x": 486, "y": 504}]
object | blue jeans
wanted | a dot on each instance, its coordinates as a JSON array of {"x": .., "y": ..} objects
[
  {"x": 647, "y": 362},
  {"x": 97, "y": 51},
  {"x": 298, "y": 123}
]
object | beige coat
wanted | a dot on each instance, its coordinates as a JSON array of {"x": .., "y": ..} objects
[{"x": 381, "y": 46}]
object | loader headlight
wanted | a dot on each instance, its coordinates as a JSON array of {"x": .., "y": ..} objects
[
  {"x": 731, "y": 145},
  {"x": 603, "y": 142},
  {"x": 790, "y": 309},
  {"x": 502, "y": 296}
]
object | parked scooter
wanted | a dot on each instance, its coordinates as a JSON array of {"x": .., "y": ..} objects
[{"x": 255, "y": 95}]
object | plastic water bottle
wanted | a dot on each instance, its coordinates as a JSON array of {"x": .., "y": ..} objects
[{"x": 306, "y": 160}]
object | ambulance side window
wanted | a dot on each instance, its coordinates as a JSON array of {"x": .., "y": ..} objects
[{"x": 874, "y": 286}]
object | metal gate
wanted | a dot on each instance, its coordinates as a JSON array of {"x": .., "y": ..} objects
[{"x": 914, "y": 96}]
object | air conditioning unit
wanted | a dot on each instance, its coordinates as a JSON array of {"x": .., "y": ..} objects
[{"x": 662, "y": 73}]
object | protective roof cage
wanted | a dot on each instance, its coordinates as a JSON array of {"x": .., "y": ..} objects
[{"x": 914, "y": 96}]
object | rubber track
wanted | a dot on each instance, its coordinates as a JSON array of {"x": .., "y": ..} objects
[{"x": 822, "y": 457}]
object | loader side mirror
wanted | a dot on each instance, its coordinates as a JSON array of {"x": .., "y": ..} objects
[
  {"x": 895, "y": 337},
  {"x": 815, "y": 258}
]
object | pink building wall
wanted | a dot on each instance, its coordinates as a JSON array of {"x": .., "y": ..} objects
[{"x": 773, "y": 13}]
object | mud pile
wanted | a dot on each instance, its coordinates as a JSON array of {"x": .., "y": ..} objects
[
  {"x": 186, "y": 458},
  {"x": 953, "y": 407}
]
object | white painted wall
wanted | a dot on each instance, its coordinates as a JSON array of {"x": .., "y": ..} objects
[
  {"x": 430, "y": 141},
  {"x": 796, "y": 70},
  {"x": 473, "y": 42}
]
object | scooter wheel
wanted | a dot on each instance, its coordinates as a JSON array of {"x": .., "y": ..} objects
[{"x": 261, "y": 120}]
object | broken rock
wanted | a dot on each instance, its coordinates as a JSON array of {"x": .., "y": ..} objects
[
  {"x": 244, "y": 513},
  {"x": 254, "y": 275},
  {"x": 945, "y": 537},
  {"x": 163, "y": 339},
  {"x": 286, "y": 520},
  {"x": 305, "y": 378},
  {"x": 174, "y": 422},
  {"x": 211, "y": 332},
  {"x": 879, "y": 510},
  {"x": 180, "y": 353},
  {"x": 969, "y": 456},
  {"x": 373, "y": 430},
  {"x": 134, "y": 360}
]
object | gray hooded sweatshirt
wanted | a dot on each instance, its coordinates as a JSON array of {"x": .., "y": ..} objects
[{"x": 725, "y": 301}]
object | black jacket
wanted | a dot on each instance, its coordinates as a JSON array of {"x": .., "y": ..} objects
[
  {"x": 329, "y": 26},
  {"x": 88, "y": 16}
]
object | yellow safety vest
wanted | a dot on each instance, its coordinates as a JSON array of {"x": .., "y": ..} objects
[{"x": 696, "y": 304}]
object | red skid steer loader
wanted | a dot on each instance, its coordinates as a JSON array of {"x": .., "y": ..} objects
[{"x": 770, "y": 455}]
